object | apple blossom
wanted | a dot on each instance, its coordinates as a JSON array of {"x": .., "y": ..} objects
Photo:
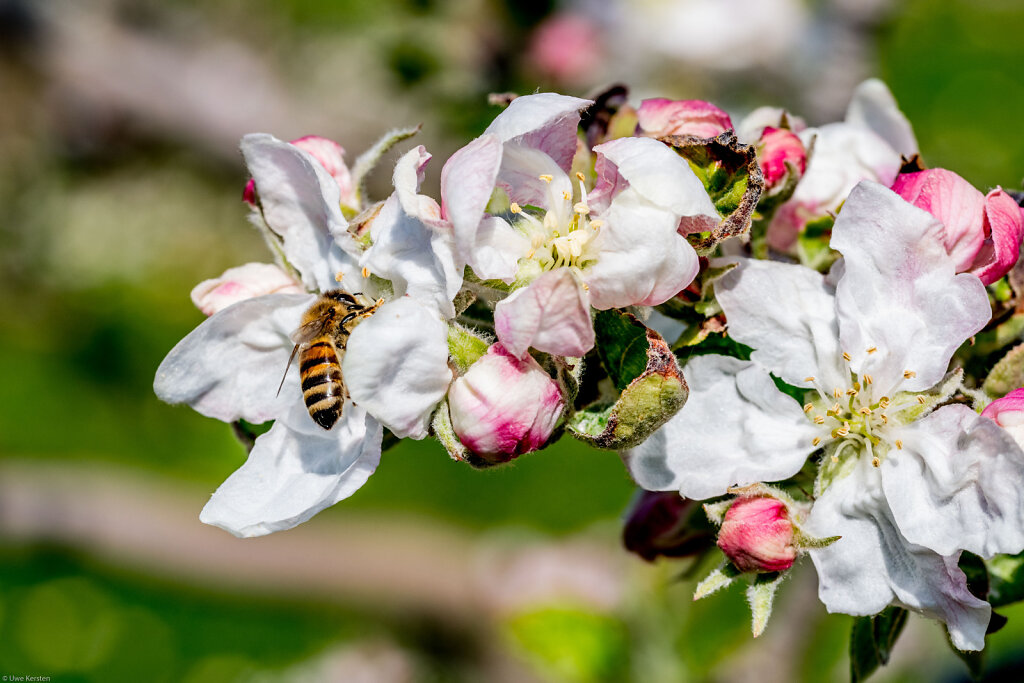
[
  {"x": 982, "y": 232},
  {"x": 567, "y": 247},
  {"x": 504, "y": 406},
  {"x": 906, "y": 486},
  {"x": 867, "y": 145}
]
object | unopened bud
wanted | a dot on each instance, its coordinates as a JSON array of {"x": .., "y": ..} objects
[
  {"x": 659, "y": 117},
  {"x": 1008, "y": 413},
  {"x": 780, "y": 151},
  {"x": 664, "y": 523},
  {"x": 757, "y": 535}
]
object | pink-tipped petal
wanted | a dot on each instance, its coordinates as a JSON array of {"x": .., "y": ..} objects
[
  {"x": 552, "y": 315},
  {"x": 243, "y": 282},
  {"x": 331, "y": 156},
  {"x": 1004, "y": 228},
  {"x": 658, "y": 117}
]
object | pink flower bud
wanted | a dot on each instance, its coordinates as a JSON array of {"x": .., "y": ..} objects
[
  {"x": 504, "y": 406},
  {"x": 982, "y": 234},
  {"x": 659, "y": 117},
  {"x": 1008, "y": 413},
  {"x": 757, "y": 535},
  {"x": 664, "y": 523},
  {"x": 243, "y": 282},
  {"x": 776, "y": 147}
]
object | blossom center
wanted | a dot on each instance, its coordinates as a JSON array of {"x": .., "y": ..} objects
[
  {"x": 853, "y": 420},
  {"x": 563, "y": 235}
]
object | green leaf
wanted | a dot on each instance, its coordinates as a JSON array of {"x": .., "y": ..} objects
[
  {"x": 812, "y": 244},
  {"x": 732, "y": 178},
  {"x": 974, "y": 659},
  {"x": 974, "y": 569},
  {"x": 1006, "y": 579},
  {"x": 621, "y": 342},
  {"x": 872, "y": 640},
  {"x": 1007, "y": 374},
  {"x": 652, "y": 385}
]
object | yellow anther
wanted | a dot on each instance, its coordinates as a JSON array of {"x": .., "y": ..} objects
[
  {"x": 899, "y": 445},
  {"x": 875, "y": 462},
  {"x": 596, "y": 224},
  {"x": 835, "y": 459},
  {"x": 851, "y": 392},
  {"x": 819, "y": 420},
  {"x": 581, "y": 208},
  {"x": 868, "y": 380},
  {"x": 808, "y": 407},
  {"x": 846, "y": 357},
  {"x": 816, "y": 441},
  {"x": 546, "y": 177},
  {"x": 515, "y": 208},
  {"x": 865, "y": 411},
  {"x": 872, "y": 349},
  {"x": 883, "y": 402},
  {"x": 837, "y": 409},
  {"x": 580, "y": 176},
  {"x": 566, "y": 196},
  {"x": 586, "y": 287},
  {"x": 808, "y": 379},
  {"x": 366, "y": 272},
  {"x": 837, "y": 392},
  {"x": 530, "y": 253},
  {"x": 338, "y": 276},
  {"x": 920, "y": 399},
  {"x": 908, "y": 374},
  {"x": 885, "y": 418}
]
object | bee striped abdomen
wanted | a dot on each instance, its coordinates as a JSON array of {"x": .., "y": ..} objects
[{"x": 323, "y": 389}]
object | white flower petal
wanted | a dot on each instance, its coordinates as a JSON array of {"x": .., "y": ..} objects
[
  {"x": 467, "y": 182},
  {"x": 643, "y": 260},
  {"x": 522, "y": 170},
  {"x": 407, "y": 178},
  {"x": 416, "y": 259},
  {"x": 899, "y": 292},
  {"x": 873, "y": 565},
  {"x": 396, "y": 366},
  {"x": 231, "y": 365},
  {"x": 735, "y": 429},
  {"x": 873, "y": 107},
  {"x": 659, "y": 175},
  {"x": 301, "y": 203},
  {"x": 551, "y": 315},
  {"x": 498, "y": 249},
  {"x": 787, "y": 314},
  {"x": 243, "y": 282},
  {"x": 294, "y": 471},
  {"x": 545, "y": 121},
  {"x": 842, "y": 156},
  {"x": 956, "y": 485}
]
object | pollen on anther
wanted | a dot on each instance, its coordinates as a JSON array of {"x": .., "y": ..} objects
[
  {"x": 566, "y": 196},
  {"x": 515, "y": 208},
  {"x": 865, "y": 411},
  {"x": 837, "y": 409},
  {"x": 366, "y": 272},
  {"x": 586, "y": 287},
  {"x": 338, "y": 276},
  {"x": 920, "y": 399},
  {"x": 872, "y": 349},
  {"x": 837, "y": 392},
  {"x": 808, "y": 407},
  {"x": 885, "y": 418},
  {"x": 851, "y": 392},
  {"x": 546, "y": 177},
  {"x": 806, "y": 379},
  {"x": 596, "y": 224},
  {"x": 582, "y": 208},
  {"x": 883, "y": 402},
  {"x": 816, "y": 441},
  {"x": 580, "y": 176},
  {"x": 835, "y": 459},
  {"x": 899, "y": 445},
  {"x": 846, "y": 357},
  {"x": 909, "y": 374},
  {"x": 868, "y": 380},
  {"x": 875, "y": 462},
  {"x": 819, "y": 420}
]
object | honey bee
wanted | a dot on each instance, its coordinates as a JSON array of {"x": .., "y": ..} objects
[{"x": 320, "y": 344}]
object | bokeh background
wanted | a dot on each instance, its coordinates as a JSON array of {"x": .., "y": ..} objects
[{"x": 120, "y": 187}]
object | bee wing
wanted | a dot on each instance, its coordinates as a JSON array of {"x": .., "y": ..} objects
[
  {"x": 310, "y": 330},
  {"x": 295, "y": 350}
]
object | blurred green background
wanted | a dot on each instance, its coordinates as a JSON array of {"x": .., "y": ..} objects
[{"x": 120, "y": 189}]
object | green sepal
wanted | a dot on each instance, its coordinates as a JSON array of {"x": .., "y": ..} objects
[
  {"x": 366, "y": 161},
  {"x": 721, "y": 577},
  {"x": 464, "y": 347},
  {"x": 872, "y": 640},
  {"x": 812, "y": 244},
  {"x": 644, "y": 370},
  {"x": 732, "y": 178},
  {"x": 1007, "y": 374},
  {"x": 761, "y": 597},
  {"x": 932, "y": 398},
  {"x": 441, "y": 427}
]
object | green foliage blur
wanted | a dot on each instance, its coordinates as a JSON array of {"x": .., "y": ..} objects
[{"x": 104, "y": 237}]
